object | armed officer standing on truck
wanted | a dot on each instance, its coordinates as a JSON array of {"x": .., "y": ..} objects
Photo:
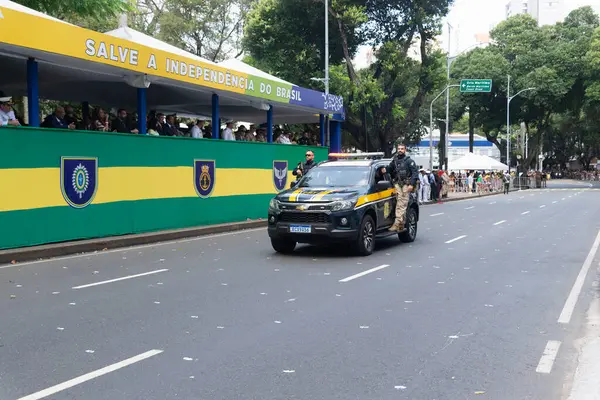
[
  {"x": 404, "y": 173},
  {"x": 303, "y": 167}
]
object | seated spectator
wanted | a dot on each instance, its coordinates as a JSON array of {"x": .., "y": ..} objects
[
  {"x": 208, "y": 131},
  {"x": 87, "y": 124},
  {"x": 56, "y": 120},
  {"x": 7, "y": 115},
  {"x": 249, "y": 137},
  {"x": 170, "y": 128},
  {"x": 70, "y": 117},
  {"x": 121, "y": 123},
  {"x": 101, "y": 122},
  {"x": 305, "y": 139}
]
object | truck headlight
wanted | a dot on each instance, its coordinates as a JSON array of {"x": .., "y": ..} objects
[
  {"x": 343, "y": 205},
  {"x": 274, "y": 204}
]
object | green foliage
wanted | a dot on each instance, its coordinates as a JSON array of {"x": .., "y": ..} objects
[
  {"x": 562, "y": 63},
  {"x": 77, "y": 9}
]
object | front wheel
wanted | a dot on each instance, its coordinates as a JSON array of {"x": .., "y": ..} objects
[
  {"x": 410, "y": 234},
  {"x": 366, "y": 236},
  {"x": 283, "y": 246}
]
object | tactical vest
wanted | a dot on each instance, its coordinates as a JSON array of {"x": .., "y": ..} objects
[{"x": 402, "y": 171}]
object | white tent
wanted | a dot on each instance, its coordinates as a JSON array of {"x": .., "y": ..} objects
[
  {"x": 477, "y": 162},
  {"x": 145, "y": 40},
  {"x": 237, "y": 65}
]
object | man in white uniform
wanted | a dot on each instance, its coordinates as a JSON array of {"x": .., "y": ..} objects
[
  {"x": 228, "y": 132},
  {"x": 7, "y": 115}
]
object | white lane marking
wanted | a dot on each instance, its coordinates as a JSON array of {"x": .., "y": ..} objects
[
  {"x": 567, "y": 311},
  {"x": 91, "y": 375},
  {"x": 120, "y": 279},
  {"x": 124, "y": 249},
  {"x": 469, "y": 208},
  {"x": 500, "y": 222},
  {"x": 435, "y": 215},
  {"x": 525, "y": 213},
  {"x": 554, "y": 202},
  {"x": 547, "y": 360},
  {"x": 542, "y": 206},
  {"x": 493, "y": 202},
  {"x": 348, "y": 279},
  {"x": 456, "y": 238}
]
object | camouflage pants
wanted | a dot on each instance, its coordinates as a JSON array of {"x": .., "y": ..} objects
[{"x": 401, "y": 203}]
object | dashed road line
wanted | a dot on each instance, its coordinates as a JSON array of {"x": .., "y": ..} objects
[
  {"x": 91, "y": 375},
  {"x": 456, "y": 238},
  {"x": 120, "y": 279},
  {"x": 435, "y": 215},
  {"x": 470, "y": 208},
  {"x": 500, "y": 222},
  {"x": 525, "y": 213},
  {"x": 542, "y": 206},
  {"x": 547, "y": 359},
  {"x": 350, "y": 278}
]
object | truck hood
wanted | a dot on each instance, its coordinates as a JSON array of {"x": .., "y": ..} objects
[{"x": 320, "y": 195}]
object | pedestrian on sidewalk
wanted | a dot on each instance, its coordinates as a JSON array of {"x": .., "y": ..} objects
[{"x": 506, "y": 180}]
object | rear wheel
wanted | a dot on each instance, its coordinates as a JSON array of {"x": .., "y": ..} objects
[
  {"x": 410, "y": 234},
  {"x": 283, "y": 245},
  {"x": 366, "y": 236}
]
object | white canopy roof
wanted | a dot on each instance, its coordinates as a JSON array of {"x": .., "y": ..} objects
[
  {"x": 145, "y": 40},
  {"x": 241, "y": 66},
  {"x": 476, "y": 162}
]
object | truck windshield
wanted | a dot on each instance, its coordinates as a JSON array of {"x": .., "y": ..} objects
[{"x": 336, "y": 176}]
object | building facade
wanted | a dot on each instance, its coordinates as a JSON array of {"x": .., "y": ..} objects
[
  {"x": 458, "y": 146},
  {"x": 545, "y": 12}
]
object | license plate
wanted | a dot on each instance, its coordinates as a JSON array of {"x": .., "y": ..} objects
[{"x": 300, "y": 228}]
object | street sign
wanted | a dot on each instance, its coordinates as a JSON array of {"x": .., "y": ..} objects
[{"x": 475, "y": 85}]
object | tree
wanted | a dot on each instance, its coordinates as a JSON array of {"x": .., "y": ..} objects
[
  {"x": 78, "y": 9},
  {"x": 208, "y": 28},
  {"x": 388, "y": 95}
]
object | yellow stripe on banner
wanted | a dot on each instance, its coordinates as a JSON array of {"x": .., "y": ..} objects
[
  {"x": 24, "y": 189},
  {"x": 374, "y": 197}
]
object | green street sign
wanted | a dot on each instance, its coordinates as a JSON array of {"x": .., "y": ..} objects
[{"x": 475, "y": 85}]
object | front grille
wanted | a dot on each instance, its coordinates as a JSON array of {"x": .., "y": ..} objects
[{"x": 304, "y": 217}]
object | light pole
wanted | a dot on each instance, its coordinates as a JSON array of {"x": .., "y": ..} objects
[
  {"x": 508, "y": 100},
  {"x": 446, "y": 90},
  {"x": 445, "y": 160},
  {"x": 327, "y": 67}
]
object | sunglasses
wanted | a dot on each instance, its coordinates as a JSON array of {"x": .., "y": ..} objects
[{"x": 308, "y": 155}]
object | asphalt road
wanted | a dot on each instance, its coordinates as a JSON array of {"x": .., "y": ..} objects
[{"x": 230, "y": 319}]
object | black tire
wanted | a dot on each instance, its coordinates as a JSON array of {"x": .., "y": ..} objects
[
  {"x": 283, "y": 246},
  {"x": 410, "y": 234},
  {"x": 366, "y": 236}
]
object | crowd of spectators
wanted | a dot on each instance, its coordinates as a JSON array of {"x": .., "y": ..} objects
[{"x": 158, "y": 124}]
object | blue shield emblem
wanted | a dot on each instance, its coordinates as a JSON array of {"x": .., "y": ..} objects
[
  {"x": 204, "y": 177},
  {"x": 280, "y": 174},
  {"x": 78, "y": 180}
]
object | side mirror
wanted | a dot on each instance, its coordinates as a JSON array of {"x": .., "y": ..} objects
[{"x": 383, "y": 185}]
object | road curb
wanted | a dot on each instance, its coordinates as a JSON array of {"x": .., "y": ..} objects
[
  {"x": 449, "y": 200},
  {"x": 112, "y": 242}
]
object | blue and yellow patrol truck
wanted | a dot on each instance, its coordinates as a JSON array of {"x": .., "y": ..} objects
[{"x": 343, "y": 199}]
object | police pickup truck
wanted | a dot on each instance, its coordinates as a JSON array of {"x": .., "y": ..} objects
[{"x": 343, "y": 200}]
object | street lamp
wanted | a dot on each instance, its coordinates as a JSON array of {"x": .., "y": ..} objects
[
  {"x": 508, "y": 100},
  {"x": 449, "y": 60},
  {"x": 446, "y": 89}
]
